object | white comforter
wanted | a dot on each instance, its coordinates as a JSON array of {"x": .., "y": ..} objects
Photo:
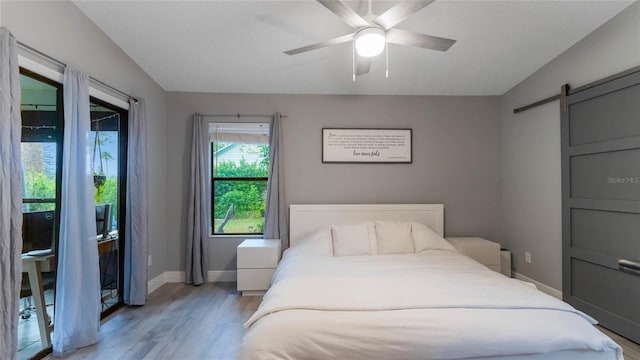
[{"x": 432, "y": 305}]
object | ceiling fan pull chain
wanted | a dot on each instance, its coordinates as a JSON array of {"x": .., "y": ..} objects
[
  {"x": 386, "y": 45},
  {"x": 353, "y": 60}
]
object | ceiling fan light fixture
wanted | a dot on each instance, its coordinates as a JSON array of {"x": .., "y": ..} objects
[{"x": 370, "y": 41}]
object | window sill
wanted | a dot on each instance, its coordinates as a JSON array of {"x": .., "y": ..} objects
[{"x": 230, "y": 236}]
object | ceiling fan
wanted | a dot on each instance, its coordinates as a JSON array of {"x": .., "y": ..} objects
[{"x": 374, "y": 32}]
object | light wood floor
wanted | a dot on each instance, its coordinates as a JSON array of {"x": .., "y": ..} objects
[
  {"x": 178, "y": 322},
  {"x": 188, "y": 322},
  {"x": 630, "y": 349}
]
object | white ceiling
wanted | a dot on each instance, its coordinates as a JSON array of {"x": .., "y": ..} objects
[{"x": 237, "y": 46}]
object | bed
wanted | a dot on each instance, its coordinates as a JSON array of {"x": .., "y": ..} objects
[{"x": 381, "y": 282}]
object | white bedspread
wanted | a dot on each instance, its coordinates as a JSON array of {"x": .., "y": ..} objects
[{"x": 432, "y": 305}]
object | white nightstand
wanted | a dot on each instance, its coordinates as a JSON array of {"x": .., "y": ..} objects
[
  {"x": 505, "y": 262},
  {"x": 481, "y": 250},
  {"x": 257, "y": 260}
]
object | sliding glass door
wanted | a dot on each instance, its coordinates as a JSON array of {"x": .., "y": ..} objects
[
  {"x": 109, "y": 152},
  {"x": 42, "y": 147}
]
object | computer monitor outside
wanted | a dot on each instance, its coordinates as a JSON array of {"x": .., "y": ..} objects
[
  {"x": 103, "y": 220},
  {"x": 38, "y": 230}
]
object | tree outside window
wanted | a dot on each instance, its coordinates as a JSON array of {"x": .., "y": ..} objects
[{"x": 239, "y": 183}]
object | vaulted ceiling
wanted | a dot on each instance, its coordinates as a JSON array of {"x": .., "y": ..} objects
[{"x": 237, "y": 46}]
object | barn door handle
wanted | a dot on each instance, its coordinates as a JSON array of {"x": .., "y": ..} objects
[{"x": 629, "y": 266}]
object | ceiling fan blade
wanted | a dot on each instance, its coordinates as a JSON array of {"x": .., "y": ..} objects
[
  {"x": 399, "y": 12},
  {"x": 344, "y": 12},
  {"x": 402, "y": 37},
  {"x": 336, "y": 41},
  {"x": 363, "y": 64}
]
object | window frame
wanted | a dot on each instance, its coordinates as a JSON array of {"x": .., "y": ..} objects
[{"x": 212, "y": 195}]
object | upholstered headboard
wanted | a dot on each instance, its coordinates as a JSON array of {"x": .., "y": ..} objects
[{"x": 305, "y": 218}]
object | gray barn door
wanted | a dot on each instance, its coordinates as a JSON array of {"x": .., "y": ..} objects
[{"x": 601, "y": 202}]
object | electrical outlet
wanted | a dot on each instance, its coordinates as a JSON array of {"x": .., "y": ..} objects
[
  {"x": 149, "y": 260},
  {"x": 527, "y": 257}
]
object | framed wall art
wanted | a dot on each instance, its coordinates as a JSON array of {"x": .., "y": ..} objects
[{"x": 342, "y": 145}]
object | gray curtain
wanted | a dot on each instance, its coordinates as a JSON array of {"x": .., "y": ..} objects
[
  {"x": 10, "y": 195},
  {"x": 275, "y": 215},
  {"x": 197, "y": 209},
  {"x": 137, "y": 222},
  {"x": 77, "y": 304}
]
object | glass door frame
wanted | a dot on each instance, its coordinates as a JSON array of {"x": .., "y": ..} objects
[
  {"x": 122, "y": 185},
  {"x": 59, "y": 140},
  {"x": 122, "y": 196}
]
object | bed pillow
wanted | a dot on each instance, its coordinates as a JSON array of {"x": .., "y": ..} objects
[
  {"x": 394, "y": 237},
  {"x": 351, "y": 239},
  {"x": 317, "y": 242},
  {"x": 424, "y": 238}
]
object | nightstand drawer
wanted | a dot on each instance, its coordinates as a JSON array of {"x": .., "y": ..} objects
[
  {"x": 254, "y": 279},
  {"x": 259, "y": 254}
]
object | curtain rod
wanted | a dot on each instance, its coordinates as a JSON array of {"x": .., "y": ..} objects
[
  {"x": 578, "y": 89},
  {"x": 241, "y": 115},
  {"x": 60, "y": 63}
]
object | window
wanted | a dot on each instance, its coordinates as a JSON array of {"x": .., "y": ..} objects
[
  {"x": 240, "y": 170},
  {"x": 105, "y": 143},
  {"x": 41, "y": 145}
]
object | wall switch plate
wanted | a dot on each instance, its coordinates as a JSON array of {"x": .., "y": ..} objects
[
  {"x": 149, "y": 260},
  {"x": 527, "y": 257}
]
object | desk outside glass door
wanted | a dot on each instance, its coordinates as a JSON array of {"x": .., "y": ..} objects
[{"x": 33, "y": 266}]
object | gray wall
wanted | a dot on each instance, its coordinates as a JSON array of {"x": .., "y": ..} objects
[
  {"x": 456, "y": 147},
  {"x": 531, "y": 173},
  {"x": 60, "y": 30},
  {"x": 460, "y": 158}
]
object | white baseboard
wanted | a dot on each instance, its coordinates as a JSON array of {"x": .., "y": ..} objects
[
  {"x": 178, "y": 276},
  {"x": 223, "y": 276},
  {"x": 174, "y": 276},
  {"x": 542, "y": 287},
  {"x": 155, "y": 283}
]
